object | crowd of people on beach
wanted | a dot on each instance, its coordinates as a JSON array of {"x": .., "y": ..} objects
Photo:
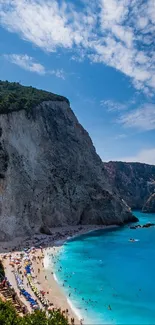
[
  {"x": 30, "y": 252},
  {"x": 22, "y": 268},
  {"x": 22, "y": 264}
]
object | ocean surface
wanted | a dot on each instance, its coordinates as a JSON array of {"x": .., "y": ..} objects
[{"x": 107, "y": 278}]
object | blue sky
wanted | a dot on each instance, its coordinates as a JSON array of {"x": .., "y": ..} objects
[{"x": 100, "y": 54}]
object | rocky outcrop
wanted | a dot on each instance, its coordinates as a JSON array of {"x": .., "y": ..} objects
[
  {"x": 149, "y": 206},
  {"x": 146, "y": 225},
  {"x": 134, "y": 181},
  {"x": 50, "y": 173}
]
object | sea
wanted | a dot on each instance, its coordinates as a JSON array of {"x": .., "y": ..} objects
[{"x": 108, "y": 279}]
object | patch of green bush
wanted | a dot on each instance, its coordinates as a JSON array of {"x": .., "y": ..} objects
[
  {"x": 14, "y": 97},
  {"x": 9, "y": 316}
]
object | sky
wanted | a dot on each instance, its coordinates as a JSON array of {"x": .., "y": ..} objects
[{"x": 99, "y": 54}]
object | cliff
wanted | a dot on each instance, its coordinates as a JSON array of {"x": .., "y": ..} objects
[
  {"x": 134, "y": 181},
  {"x": 50, "y": 174},
  {"x": 149, "y": 206}
]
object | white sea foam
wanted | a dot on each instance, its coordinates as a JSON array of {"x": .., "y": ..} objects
[
  {"x": 75, "y": 310},
  {"x": 55, "y": 278},
  {"x": 46, "y": 261}
]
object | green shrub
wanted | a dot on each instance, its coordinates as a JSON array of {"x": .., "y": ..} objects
[
  {"x": 14, "y": 97},
  {"x": 8, "y": 316}
]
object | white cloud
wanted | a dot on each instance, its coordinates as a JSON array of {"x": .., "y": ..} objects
[
  {"x": 142, "y": 118},
  {"x": 111, "y": 32},
  {"x": 120, "y": 136},
  {"x": 58, "y": 73},
  {"x": 28, "y": 63},
  {"x": 113, "y": 11},
  {"x": 142, "y": 22},
  {"x": 144, "y": 156},
  {"x": 141, "y": 58},
  {"x": 113, "y": 106},
  {"x": 152, "y": 82},
  {"x": 123, "y": 34},
  {"x": 47, "y": 24}
]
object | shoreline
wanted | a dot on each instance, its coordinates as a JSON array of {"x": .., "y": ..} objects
[
  {"x": 43, "y": 278},
  {"x": 59, "y": 245}
]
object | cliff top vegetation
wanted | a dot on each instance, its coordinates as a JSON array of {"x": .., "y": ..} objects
[{"x": 15, "y": 97}]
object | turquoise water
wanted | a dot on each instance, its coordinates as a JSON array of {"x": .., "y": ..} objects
[{"x": 106, "y": 269}]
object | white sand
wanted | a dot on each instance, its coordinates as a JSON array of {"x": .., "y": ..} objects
[{"x": 51, "y": 245}]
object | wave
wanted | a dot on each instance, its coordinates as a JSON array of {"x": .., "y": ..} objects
[
  {"x": 46, "y": 261},
  {"x": 75, "y": 310},
  {"x": 55, "y": 278}
]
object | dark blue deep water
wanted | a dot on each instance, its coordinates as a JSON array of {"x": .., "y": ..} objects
[{"x": 106, "y": 269}]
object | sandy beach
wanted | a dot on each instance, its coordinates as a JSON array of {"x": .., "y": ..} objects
[{"x": 36, "y": 250}]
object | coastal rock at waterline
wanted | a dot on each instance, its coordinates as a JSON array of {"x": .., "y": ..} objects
[
  {"x": 149, "y": 206},
  {"x": 50, "y": 174},
  {"x": 147, "y": 225}
]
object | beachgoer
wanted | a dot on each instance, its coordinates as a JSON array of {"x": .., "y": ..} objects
[
  {"x": 14, "y": 296},
  {"x": 3, "y": 283}
]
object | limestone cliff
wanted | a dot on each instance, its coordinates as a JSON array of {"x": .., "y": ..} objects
[
  {"x": 50, "y": 174},
  {"x": 149, "y": 206},
  {"x": 134, "y": 181}
]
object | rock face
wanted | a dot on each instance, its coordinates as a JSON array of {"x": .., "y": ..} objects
[
  {"x": 134, "y": 181},
  {"x": 149, "y": 206},
  {"x": 50, "y": 174}
]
